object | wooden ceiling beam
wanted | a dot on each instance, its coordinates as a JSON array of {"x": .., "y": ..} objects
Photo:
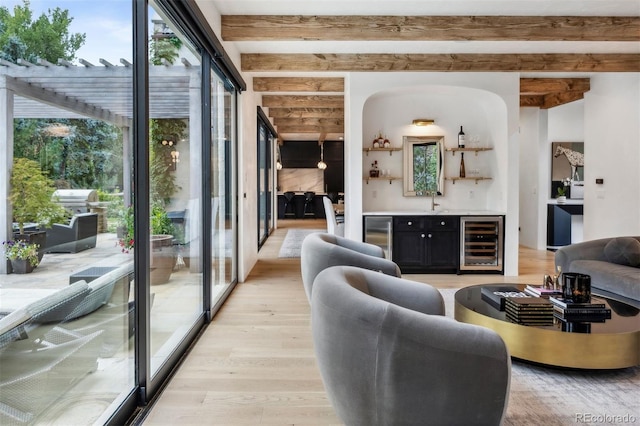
[
  {"x": 556, "y": 99},
  {"x": 549, "y": 100},
  {"x": 550, "y": 85},
  {"x": 300, "y": 101},
  {"x": 535, "y": 62},
  {"x": 306, "y": 112},
  {"x": 532, "y": 100},
  {"x": 298, "y": 84},
  {"x": 310, "y": 129},
  {"x": 430, "y": 28},
  {"x": 308, "y": 122}
]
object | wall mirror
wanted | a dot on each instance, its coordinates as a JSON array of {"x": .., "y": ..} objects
[{"x": 423, "y": 165}]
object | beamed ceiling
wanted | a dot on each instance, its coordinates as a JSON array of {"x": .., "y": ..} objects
[{"x": 299, "y": 52}]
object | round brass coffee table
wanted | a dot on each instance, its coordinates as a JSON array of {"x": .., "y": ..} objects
[{"x": 612, "y": 344}]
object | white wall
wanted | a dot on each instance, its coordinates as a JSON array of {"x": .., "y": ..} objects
[
  {"x": 612, "y": 153},
  {"x": 247, "y": 157},
  {"x": 450, "y": 107},
  {"x": 608, "y": 121},
  {"x": 489, "y": 102},
  {"x": 532, "y": 166}
]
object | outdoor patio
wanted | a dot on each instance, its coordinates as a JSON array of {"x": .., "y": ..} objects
[{"x": 175, "y": 306}]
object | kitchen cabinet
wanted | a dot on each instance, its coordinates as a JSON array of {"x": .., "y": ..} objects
[{"x": 426, "y": 244}]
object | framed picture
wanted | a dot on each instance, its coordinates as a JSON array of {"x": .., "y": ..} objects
[{"x": 567, "y": 166}]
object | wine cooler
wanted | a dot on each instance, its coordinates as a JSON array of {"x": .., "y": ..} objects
[{"x": 481, "y": 241}]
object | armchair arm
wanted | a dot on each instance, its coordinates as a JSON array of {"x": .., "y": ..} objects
[
  {"x": 418, "y": 297},
  {"x": 435, "y": 362},
  {"x": 361, "y": 247}
]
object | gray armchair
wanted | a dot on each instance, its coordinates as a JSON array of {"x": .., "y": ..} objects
[
  {"x": 387, "y": 356},
  {"x": 80, "y": 234},
  {"x": 319, "y": 251}
]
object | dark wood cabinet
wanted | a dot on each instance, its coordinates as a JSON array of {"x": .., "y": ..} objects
[{"x": 425, "y": 244}]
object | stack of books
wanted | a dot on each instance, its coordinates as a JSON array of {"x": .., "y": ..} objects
[
  {"x": 539, "y": 291},
  {"x": 529, "y": 310},
  {"x": 495, "y": 294},
  {"x": 568, "y": 311}
]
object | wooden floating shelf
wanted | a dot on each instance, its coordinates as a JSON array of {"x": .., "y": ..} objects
[
  {"x": 454, "y": 179},
  {"x": 390, "y": 150},
  {"x": 389, "y": 178},
  {"x": 476, "y": 150}
]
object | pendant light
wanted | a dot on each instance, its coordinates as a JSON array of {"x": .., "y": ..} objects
[{"x": 321, "y": 164}]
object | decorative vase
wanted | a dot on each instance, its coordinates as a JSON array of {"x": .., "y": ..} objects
[
  {"x": 21, "y": 266},
  {"x": 561, "y": 199}
]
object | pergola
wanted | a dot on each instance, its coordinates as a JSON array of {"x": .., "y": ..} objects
[{"x": 102, "y": 92}]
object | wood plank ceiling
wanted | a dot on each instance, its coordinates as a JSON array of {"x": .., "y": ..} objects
[{"x": 304, "y": 107}]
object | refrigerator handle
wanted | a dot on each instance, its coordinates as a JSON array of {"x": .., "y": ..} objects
[{"x": 390, "y": 239}]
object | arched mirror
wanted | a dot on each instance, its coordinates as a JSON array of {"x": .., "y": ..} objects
[{"x": 423, "y": 165}]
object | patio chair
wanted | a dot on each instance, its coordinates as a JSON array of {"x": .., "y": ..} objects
[
  {"x": 35, "y": 373},
  {"x": 80, "y": 234},
  {"x": 51, "y": 309}
]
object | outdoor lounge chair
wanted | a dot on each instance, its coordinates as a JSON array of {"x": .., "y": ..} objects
[
  {"x": 80, "y": 234},
  {"x": 51, "y": 309},
  {"x": 35, "y": 371}
]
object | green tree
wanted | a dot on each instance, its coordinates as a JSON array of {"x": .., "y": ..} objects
[{"x": 47, "y": 37}]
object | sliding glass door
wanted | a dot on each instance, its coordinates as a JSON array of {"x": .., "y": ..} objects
[{"x": 266, "y": 137}]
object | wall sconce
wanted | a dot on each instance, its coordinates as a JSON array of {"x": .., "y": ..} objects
[
  {"x": 321, "y": 164},
  {"x": 175, "y": 158},
  {"x": 423, "y": 122},
  {"x": 167, "y": 142}
]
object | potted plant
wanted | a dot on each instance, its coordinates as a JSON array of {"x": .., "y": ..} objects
[
  {"x": 31, "y": 198},
  {"x": 163, "y": 259},
  {"x": 22, "y": 255},
  {"x": 562, "y": 191}
]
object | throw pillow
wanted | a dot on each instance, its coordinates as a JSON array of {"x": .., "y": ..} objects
[{"x": 623, "y": 251}]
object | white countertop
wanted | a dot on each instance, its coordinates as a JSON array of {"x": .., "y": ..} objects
[
  {"x": 437, "y": 212},
  {"x": 572, "y": 201}
]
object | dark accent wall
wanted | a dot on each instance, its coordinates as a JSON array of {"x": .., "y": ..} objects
[{"x": 306, "y": 154}]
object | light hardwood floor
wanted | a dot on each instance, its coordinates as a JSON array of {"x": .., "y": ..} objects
[{"x": 254, "y": 364}]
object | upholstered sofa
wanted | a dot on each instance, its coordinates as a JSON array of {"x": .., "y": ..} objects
[
  {"x": 80, "y": 234},
  {"x": 613, "y": 264}
]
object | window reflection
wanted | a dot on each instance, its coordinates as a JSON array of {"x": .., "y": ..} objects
[
  {"x": 66, "y": 328},
  {"x": 175, "y": 182}
]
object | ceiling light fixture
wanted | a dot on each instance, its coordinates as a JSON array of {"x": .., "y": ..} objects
[
  {"x": 321, "y": 164},
  {"x": 423, "y": 122}
]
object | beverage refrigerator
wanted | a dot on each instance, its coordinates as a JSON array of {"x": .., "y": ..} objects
[
  {"x": 481, "y": 243},
  {"x": 378, "y": 230}
]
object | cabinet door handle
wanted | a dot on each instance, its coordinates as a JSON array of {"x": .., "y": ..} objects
[
  {"x": 429, "y": 235},
  {"x": 442, "y": 223},
  {"x": 422, "y": 235},
  {"x": 409, "y": 223}
]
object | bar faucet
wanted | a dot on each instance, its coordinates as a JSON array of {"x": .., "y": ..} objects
[{"x": 433, "y": 201}]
